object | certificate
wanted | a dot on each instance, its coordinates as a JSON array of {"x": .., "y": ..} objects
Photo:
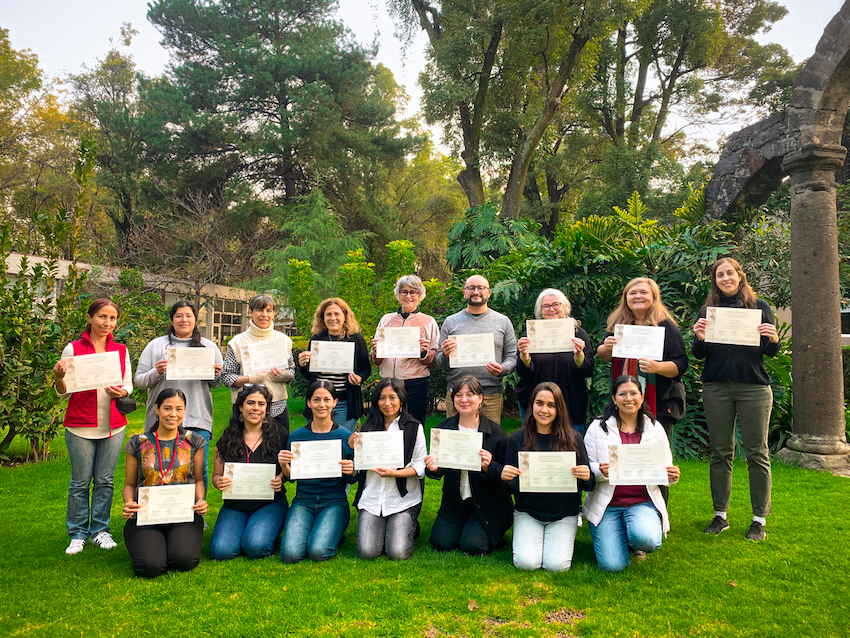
[
  {"x": 398, "y": 342},
  {"x": 639, "y": 342},
  {"x": 332, "y": 356},
  {"x": 547, "y": 472},
  {"x": 251, "y": 481},
  {"x": 190, "y": 364},
  {"x": 379, "y": 449},
  {"x": 735, "y": 326},
  {"x": 162, "y": 504},
  {"x": 473, "y": 350},
  {"x": 265, "y": 355},
  {"x": 316, "y": 459},
  {"x": 551, "y": 335},
  {"x": 643, "y": 464},
  {"x": 456, "y": 450},
  {"x": 93, "y": 371}
]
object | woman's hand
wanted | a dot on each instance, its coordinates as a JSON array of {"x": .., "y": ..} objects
[
  {"x": 303, "y": 358},
  {"x": 277, "y": 482},
  {"x": 578, "y": 344},
  {"x": 424, "y": 344},
  {"x": 673, "y": 474},
  {"x": 274, "y": 373},
  {"x": 161, "y": 366},
  {"x": 201, "y": 507},
  {"x": 648, "y": 366},
  {"x": 217, "y": 368},
  {"x": 354, "y": 379},
  {"x": 769, "y": 330},
  {"x": 115, "y": 391},
  {"x": 522, "y": 347},
  {"x": 486, "y": 457},
  {"x": 355, "y": 436},
  {"x": 221, "y": 482},
  {"x": 699, "y": 328},
  {"x": 60, "y": 369},
  {"x": 605, "y": 350},
  {"x": 347, "y": 467},
  {"x": 509, "y": 472},
  {"x": 429, "y": 463},
  {"x": 581, "y": 472},
  {"x": 603, "y": 467},
  {"x": 284, "y": 457},
  {"x": 385, "y": 472},
  {"x": 130, "y": 508}
]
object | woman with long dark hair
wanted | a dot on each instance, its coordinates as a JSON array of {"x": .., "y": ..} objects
[
  {"x": 250, "y": 527},
  {"x": 626, "y": 515},
  {"x": 545, "y": 523},
  {"x": 150, "y": 374},
  {"x": 389, "y": 499},
  {"x": 735, "y": 384},
  {"x": 94, "y": 431}
]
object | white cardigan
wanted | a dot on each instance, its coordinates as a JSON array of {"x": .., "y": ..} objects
[{"x": 596, "y": 441}]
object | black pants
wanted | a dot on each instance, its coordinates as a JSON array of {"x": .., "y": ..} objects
[
  {"x": 667, "y": 422},
  {"x": 417, "y": 398},
  {"x": 466, "y": 534},
  {"x": 155, "y": 549}
]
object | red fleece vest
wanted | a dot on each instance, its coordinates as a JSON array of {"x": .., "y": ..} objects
[{"x": 82, "y": 406}]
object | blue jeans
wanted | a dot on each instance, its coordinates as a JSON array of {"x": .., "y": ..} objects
[
  {"x": 314, "y": 529},
  {"x": 340, "y": 416},
  {"x": 251, "y": 533},
  {"x": 92, "y": 461},
  {"x": 207, "y": 436},
  {"x": 637, "y": 526}
]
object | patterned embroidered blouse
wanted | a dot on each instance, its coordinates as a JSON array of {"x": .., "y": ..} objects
[{"x": 143, "y": 447}]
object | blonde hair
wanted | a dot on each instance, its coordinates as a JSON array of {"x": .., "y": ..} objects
[
  {"x": 349, "y": 323},
  {"x": 657, "y": 312}
]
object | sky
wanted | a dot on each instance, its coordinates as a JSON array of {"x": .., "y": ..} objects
[{"x": 66, "y": 35}]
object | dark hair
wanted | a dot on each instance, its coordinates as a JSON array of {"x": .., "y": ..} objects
[
  {"x": 562, "y": 437},
  {"x": 470, "y": 382},
  {"x": 612, "y": 410},
  {"x": 260, "y": 302},
  {"x": 311, "y": 389},
  {"x": 375, "y": 420},
  {"x": 231, "y": 444},
  {"x": 744, "y": 296},
  {"x": 96, "y": 305},
  {"x": 162, "y": 397},
  {"x": 195, "y": 341}
]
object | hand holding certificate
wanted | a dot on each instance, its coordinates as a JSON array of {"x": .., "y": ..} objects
[
  {"x": 457, "y": 450},
  {"x": 551, "y": 335},
  {"x": 473, "y": 350},
  {"x": 547, "y": 472},
  {"x": 190, "y": 364},
  {"x": 250, "y": 481},
  {"x": 92, "y": 371},
  {"x": 316, "y": 459},
  {"x": 733, "y": 326},
  {"x": 379, "y": 449},
  {"x": 639, "y": 342},
  {"x": 397, "y": 342},
  {"x": 332, "y": 356},
  {"x": 164, "y": 504},
  {"x": 643, "y": 464}
]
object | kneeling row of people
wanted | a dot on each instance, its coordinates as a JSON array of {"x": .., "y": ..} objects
[{"x": 476, "y": 507}]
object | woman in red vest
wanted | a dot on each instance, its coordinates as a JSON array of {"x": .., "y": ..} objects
[{"x": 94, "y": 431}]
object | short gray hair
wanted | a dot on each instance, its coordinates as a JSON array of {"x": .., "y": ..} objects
[
  {"x": 538, "y": 305},
  {"x": 411, "y": 281},
  {"x": 261, "y": 302}
]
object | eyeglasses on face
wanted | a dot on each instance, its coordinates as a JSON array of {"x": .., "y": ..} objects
[
  {"x": 475, "y": 288},
  {"x": 552, "y": 306},
  {"x": 408, "y": 293}
]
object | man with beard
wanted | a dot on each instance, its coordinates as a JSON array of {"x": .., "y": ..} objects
[{"x": 477, "y": 318}]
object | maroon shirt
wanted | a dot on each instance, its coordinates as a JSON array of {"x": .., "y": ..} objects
[{"x": 627, "y": 495}]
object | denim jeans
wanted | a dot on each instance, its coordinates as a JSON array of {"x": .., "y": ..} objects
[
  {"x": 637, "y": 526},
  {"x": 250, "y": 533},
  {"x": 92, "y": 461},
  {"x": 314, "y": 529},
  {"x": 395, "y": 532},
  {"x": 207, "y": 436},
  {"x": 548, "y": 545},
  {"x": 340, "y": 416}
]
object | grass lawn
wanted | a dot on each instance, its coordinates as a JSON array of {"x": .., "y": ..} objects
[{"x": 793, "y": 584}]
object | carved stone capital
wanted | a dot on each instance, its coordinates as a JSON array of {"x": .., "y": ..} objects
[{"x": 814, "y": 157}]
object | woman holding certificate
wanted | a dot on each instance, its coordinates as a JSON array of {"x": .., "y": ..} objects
[
  {"x": 736, "y": 384},
  {"x": 389, "y": 497},
  {"x": 626, "y": 509},
  {"x": 417, "y": 335},
  {"x": 247, "y": 472},
  {"x": 154, "y": 373},
  {"x": 319, "y": 459},
  {"x": 474, "y": 512},
  {"x": 661, "y": 374},
  {"x": 164, "y": 492},
  {"x": 337, "y": 353},
  {"x": 546, "y": 491},
  {"x": 94, "y": 426},
  {"x": 569, "y": 368},
  {"x": 261, "y": 354}
]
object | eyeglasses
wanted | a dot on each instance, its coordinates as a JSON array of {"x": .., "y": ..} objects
[
  {"x": 551, "y": 306},
  {"x": 476, "y": 288},
  {"x": 408, "y": 293}
]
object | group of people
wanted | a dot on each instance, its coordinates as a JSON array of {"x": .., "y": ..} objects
[{"x": 477, "y": 507}]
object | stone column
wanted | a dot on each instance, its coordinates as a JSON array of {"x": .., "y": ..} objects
[{"x": 819, "y": 439}]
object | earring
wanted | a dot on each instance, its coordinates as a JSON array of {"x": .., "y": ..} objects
[{"x": 241, "y": 418}]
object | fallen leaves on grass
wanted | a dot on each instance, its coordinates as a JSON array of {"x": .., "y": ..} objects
[
  {"x": 733, "y": 583},
  {"x": 472, "y": 604},
  {"x": 529, "y": 601},
  {"x": 564, "y": 616}
]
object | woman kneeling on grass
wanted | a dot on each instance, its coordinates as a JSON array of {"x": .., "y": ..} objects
[
  {"x": 388, "y": 500},
  {"x": 166, "y": 455},
  {"x": 474, "y": 513},
  {"x": 319, "y": 513},
  {"x": 626, "y": 515},
  {"x": 545, "y": 523},
  {"x": 250, "y": 527}
]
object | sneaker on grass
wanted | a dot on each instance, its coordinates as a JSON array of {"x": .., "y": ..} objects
[
  {"x": 756, "y": 532},
  {"x": 717, "y": 525},
  {"x": 75, "y": 546},
  {"x": 104, "y": 540}
]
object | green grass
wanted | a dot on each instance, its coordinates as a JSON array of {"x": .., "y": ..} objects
[{"x": 793, "y": 584}]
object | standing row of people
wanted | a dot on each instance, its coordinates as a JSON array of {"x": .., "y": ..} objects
[{"x": 552, "y": 393}]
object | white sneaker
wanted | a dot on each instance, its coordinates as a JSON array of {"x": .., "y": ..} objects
[
  {"x": 579, "y": 522},
  {"x": 75, "y": 546},
  {"x": 103, "y": 540}
]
